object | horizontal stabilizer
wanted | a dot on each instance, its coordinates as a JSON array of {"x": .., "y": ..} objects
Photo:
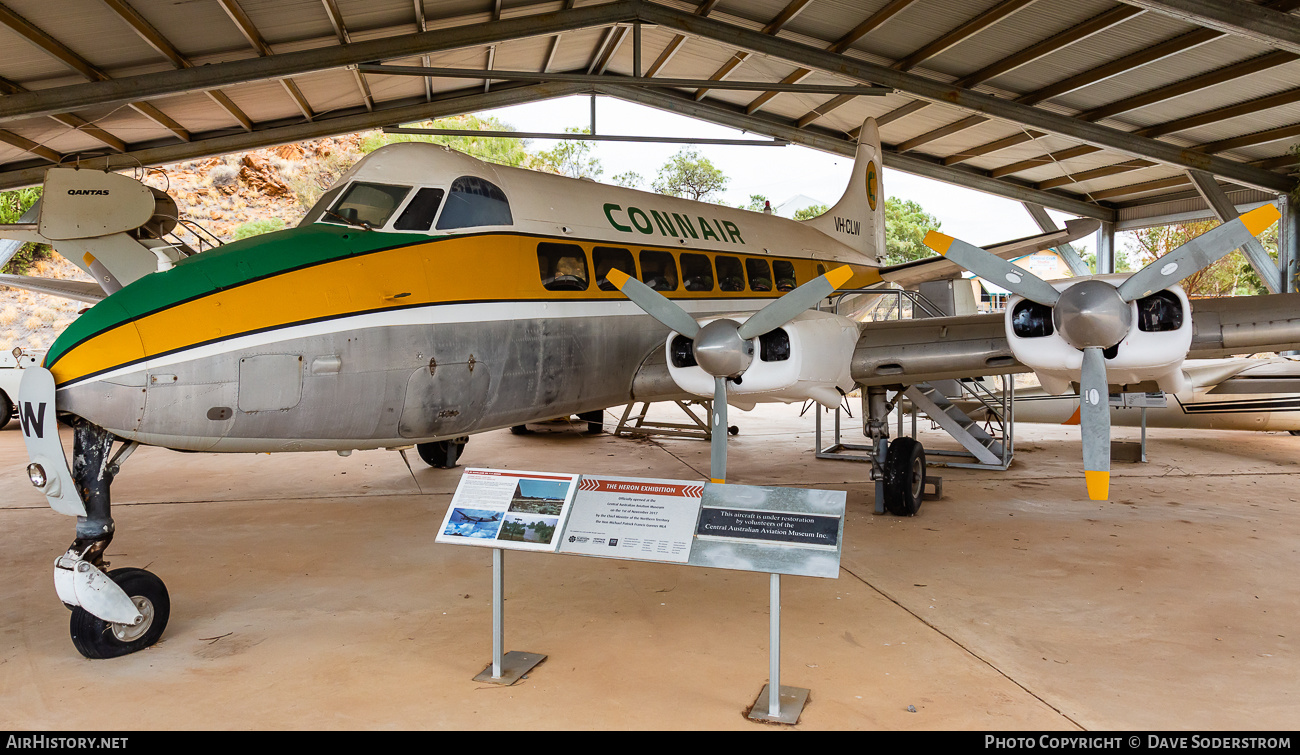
[
  {"x": 86, "y": 291},
  {"x": 910, "y": 274}
]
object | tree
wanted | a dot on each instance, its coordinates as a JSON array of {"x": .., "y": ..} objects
[
  {"x": 631, "y": 179},
  {"x": 688, "y": 174},
  {"x": 810, "y": 212},
  {"x": 570, "y": 158},
  {"x": 1231, "y": 276},
  {"x": 906, "y": 224},
  {"x": 12, "y": 206},
  {"x": 756, "y": 203}
]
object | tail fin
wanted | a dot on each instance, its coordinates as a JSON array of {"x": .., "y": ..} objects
[{"x": 858, "y": 219}]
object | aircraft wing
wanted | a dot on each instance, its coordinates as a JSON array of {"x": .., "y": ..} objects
[
  {"x": 912, "y": 351},
  {"x": 909, "y": 274},
  {"x": 69, "y": 289}
]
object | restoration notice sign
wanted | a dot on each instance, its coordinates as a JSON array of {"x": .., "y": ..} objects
[
  {"x": 629, "y": 517},
  {"x": 768, "y": 529},
  {"x": 778, "y": 527}
]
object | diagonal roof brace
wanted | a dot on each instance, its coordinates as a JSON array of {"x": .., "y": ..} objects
[{"x": 966, "y": 99}]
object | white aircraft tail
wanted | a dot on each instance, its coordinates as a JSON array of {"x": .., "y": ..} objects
[{"x": 858, "y": 219}]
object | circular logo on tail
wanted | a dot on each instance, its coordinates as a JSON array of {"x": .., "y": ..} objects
[{"x": 872, "y": 183}]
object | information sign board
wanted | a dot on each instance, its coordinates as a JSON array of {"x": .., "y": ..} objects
[
  {"x": 509, "y": 509},
  {"x": 768, "y": 529},
  {"x": 629, "y": 517}
]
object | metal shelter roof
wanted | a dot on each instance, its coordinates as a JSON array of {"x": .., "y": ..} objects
[{"x": 1091, "y": 107}]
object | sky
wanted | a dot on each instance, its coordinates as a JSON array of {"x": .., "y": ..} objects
[{"x": 775, "y": 172}]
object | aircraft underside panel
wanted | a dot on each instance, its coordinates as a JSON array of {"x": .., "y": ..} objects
[{"x": 369, "y": 387}]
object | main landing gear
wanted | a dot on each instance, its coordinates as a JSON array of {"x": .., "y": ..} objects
[
  {"x": 898, "y": 468},
  {"x": 442, "y": 454},
  {"x": 118, "y": 612}
]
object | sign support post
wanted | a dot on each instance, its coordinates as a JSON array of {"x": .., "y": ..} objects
[
  {"x": 506, "y": 668},
  {"x": 784, "y": 704}
]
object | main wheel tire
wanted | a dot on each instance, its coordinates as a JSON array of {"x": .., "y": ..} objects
[
  {"x": 441, "y": 454},
  {"x": 904, "y": 477},
  {"x": 95, "y": 638},
  {"x": 520, "y": 430},
  {"x": 6, "y": 409}
]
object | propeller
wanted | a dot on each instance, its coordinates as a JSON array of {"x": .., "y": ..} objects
[
  {"x": 724, "y": 348},
  {"x": 1094, "y": 315}
]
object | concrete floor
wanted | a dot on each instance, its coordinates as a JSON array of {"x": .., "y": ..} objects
[{"x": 307, "y": 593}]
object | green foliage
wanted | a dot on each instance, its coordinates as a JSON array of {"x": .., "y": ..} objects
[
  {"x": 1230, "y": 276},
  {"x": 631, "y": 179},
  {"x": 258, "y": 227},
  {"x": 569, "y": 158},
  {"x": 489, "y": 149},
  {"x": 12, "y": 206},
  {"x": 906, "y": 224},
  {"x": 688, "y": 174},
  {"x": 808, "y": 213},
  {"x": 756, "y": 203}
]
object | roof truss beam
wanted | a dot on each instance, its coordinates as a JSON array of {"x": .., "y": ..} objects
[
  {"x": 263, "y": 68},
  {"x": 966, "y": 99},
  {"x": 827, "y": 142},
  {"x": 1258, "y": 22}
]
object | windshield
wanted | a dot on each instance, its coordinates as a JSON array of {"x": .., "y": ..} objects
[{"x": 365, "y": 203}]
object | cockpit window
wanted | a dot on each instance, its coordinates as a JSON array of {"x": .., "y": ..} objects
[
  {"x": 419, "y": 214},
  {"x": 317, "y": 211},
  {"x": 474, "y": 202},
  {"x": 371, "y": 204}
]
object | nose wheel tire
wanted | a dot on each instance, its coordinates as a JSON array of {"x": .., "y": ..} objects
[
  {"x": 442, "y": 454},
  {"x": 904, "y": 477},
  {"x": 96, "y": 638}
]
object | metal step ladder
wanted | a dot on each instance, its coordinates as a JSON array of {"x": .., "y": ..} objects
[{"x": 989, "y": 451}]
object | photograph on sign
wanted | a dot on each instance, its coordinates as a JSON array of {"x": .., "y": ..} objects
[
  {"x": 635, "y": 518},
  {"x": 767, "y": 529},
  {"x": 508, "y": 509}
]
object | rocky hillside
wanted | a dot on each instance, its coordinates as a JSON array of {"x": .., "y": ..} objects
[{"x": 231, "y": 197}]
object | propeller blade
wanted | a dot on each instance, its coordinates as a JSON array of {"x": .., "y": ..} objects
[
  {"x": 718, "y": 432},
  {"x": 788, "y": 307},
  {"x": 1200, "y": 252},
  {"x": 654, "y": 303},
  {"x": 993, "y": 269},
  {"x": 1094, "y": 423}
]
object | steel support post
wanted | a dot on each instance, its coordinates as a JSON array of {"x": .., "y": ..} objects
[
  {"x": 1225, "y": 210},
  {"x": 1288, "y": 241},
  {"x": 775, "y": 703},
  {"x": 505, "y": 668},
  {"x": 1106, "y": 248}
]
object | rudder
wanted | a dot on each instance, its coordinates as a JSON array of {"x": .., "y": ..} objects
[{"x": 858, "y": 219}]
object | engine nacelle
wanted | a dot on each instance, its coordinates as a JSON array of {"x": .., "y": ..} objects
[
  {"x": 1154, "y": 349},
  {"x": 807, "y": 358}
]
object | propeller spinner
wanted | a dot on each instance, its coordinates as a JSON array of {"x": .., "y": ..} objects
[
  {"x": 725, "y": 348},
  {"x": 1093, "y": 315}
]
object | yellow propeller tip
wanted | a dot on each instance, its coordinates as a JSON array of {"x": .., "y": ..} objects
[
  {"x": 839, "y": 276},
  {"x": 938, "y": 241},
  {"x": 1260, "y": 218},
  {"x": 617, "y": 277},
  {"x": 1098, "y": 485}
]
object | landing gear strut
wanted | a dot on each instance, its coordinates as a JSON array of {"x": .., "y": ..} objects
[
  {"x": 898, "y": 468},
  {"x": 113, "y": 613}
]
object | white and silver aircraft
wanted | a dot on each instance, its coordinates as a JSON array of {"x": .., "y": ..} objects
[{"x": 429, "y": 296}]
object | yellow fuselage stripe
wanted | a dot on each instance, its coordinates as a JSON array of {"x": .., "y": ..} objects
[{"x": 465, "y": 269}]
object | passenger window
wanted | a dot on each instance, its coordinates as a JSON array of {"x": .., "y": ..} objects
[
  {"x": 369, "y": 204},
  {"x": 760, "y": 275},
  {"x": 474, "y": 202},
  {"x": 658, "y": 270},
  {"x": 731, "y": 276},
  {"x": 697, "y": 273},
  {"x": 419, "y": 214},
  {"x": 784, "y": 275},
  {"x": 563, "y": 267},
  {"x": 608, "y": 258}
]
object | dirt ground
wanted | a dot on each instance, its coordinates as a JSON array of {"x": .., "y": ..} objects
[{"x": 308, "y": 593}]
